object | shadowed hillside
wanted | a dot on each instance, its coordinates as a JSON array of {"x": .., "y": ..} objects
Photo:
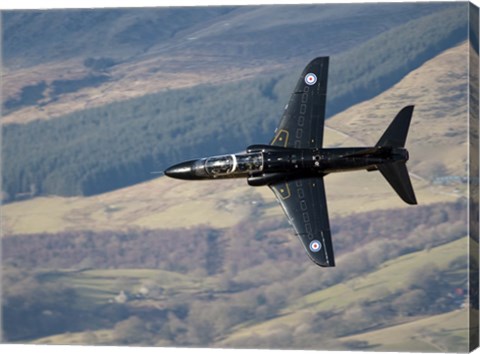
[
  {"x": 255, "y": 31},
  {"x": 225, "y": 45},
  {"x": 119, "y": 144}
]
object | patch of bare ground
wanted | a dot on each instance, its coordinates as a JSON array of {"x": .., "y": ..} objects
[{"x": 126, "y": 80}]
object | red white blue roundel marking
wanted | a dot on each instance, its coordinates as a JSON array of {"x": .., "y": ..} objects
[
  {"x": 315, "y": 246},
  {"x": 310, "y": 79}
]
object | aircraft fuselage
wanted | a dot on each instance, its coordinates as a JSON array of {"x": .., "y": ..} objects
[
  {"x": 294, "y": 163},
  {"x": 266, "y": 164}
]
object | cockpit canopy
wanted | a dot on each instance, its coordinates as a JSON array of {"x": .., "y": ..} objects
[
  {"x": 234, "y": 164},
  {"x": 220, "y": 165}
]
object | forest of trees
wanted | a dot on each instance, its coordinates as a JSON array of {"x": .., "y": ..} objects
[
  {"x": 205, "y": 248},
  {"x": 120, "y": 144},
  {"x": 248, "y": 268}
]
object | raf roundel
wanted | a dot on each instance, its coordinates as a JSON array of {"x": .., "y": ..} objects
[
  {"x": 310, "y": 79},
  {"x": 315, "y": 246}
]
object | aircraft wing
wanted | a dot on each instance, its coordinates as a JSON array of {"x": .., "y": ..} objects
[
  {"x": 303, "y": 120},
  {"x": 305, "y": 205}
]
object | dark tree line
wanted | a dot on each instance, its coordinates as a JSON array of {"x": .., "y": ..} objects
[
  {"x": 180, "y": 250},
  {"x": 246, "y": 245}
]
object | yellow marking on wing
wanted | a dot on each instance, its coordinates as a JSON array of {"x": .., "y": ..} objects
[
  {"x": 281, "y": 137},
  {"x": 284, "y": 191}
]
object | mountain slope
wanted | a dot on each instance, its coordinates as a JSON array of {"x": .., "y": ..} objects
[
  {"x": 130, "y": 33},
  {"x": 129, "y": 117},
  {"x": 40, "y": 36},
  {"x": 221, "y": 254},
  {"x": 162, "y": 202},
  {"x": 224, "y": 45},
  {"x": 344, "y": 310},
  {"x": 438, "y": 135},
  {"x": 375, "y": 287},
  {"x": 441, "y": 333}
]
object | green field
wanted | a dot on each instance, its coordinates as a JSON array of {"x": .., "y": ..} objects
[
  {"x": 374, "y": 286},
  {"x": 440, "y": 332},
  {"x": 391, "y": 277},
  {"x": 100, "y": 286},
  {"x": 447, "y": 332}
]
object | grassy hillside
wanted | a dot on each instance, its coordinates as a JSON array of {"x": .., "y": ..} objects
[
  {"x": 156, "y": 204},
  {"x": 38, "y": 36},
  {"x": 101, "y": 285},
  {"x": 163, "y": 203},
  {"x": 364, "y": 309},
  {"x": 437, "y": 139},
  {"x": 32, "y": 93},
  {"x": 442, "y": 333},
  {"x": 375, "y": 287},
  {"x": 130, "y": 33},
  {"x": 367, "y": 72},
  {"x": 102, "y": 149},
  {"x": 148, "y": 50},
  {"x": 425, "y": 335}
]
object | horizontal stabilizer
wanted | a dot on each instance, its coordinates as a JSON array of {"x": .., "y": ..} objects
[{"x": 396, "y": 174}]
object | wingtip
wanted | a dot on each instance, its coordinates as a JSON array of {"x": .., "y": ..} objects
[
  {"x": 326, "y": 265},
  {"x": 410, "y": 107},
  {"x": 410, "y": 199},
  {"x": 319, "y": 60},
  {"x": 413, "y": 202}
]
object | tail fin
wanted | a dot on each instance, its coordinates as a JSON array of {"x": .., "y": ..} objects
[
  {"x": 396, "y": 133},
  {"x": 396, "y": 173}
]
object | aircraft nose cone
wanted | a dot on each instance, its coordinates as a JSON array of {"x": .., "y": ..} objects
[
  {"x": 184, "y": 170},
  {"x": 180, "y": 170}
]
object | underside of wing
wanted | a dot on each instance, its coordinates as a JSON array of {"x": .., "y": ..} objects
[
  {"x": 305, "y": 205},
  {"x": 303, "y": 120}
]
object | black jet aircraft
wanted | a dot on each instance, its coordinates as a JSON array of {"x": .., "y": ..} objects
[{"x": 294, "y": 163}]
